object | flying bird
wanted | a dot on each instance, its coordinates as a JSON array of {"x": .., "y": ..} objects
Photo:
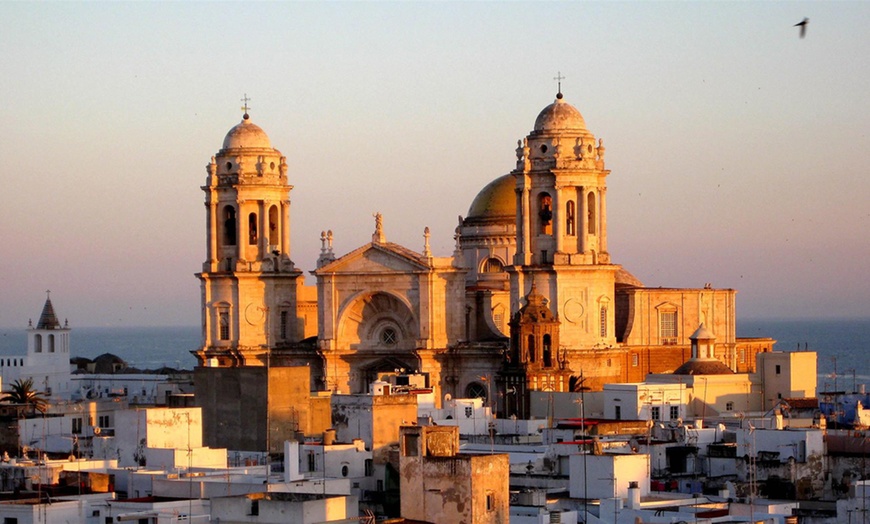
[{"x": 803, "y": 25}]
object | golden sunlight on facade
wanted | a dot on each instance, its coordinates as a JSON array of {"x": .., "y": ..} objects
[{"x": 529, "y": 300}]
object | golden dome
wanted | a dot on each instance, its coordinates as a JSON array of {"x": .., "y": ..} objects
[{"x": 496, "y": 200}]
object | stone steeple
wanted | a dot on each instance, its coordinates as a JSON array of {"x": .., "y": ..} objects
[{"x": 48, "y": 320}]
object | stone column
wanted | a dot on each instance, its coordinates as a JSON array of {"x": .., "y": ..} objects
[
  {"x": 213, "y": 225},
  {"x": 242, "y": 233},
  {"x": 558, "y": 217},
  {"x": 263, "y": 226},
  {"x": 602, "y": 228},
  {"x": 583, "y": 211},
  {"x": 285, "y": 227},
  {"x": 521, "y": 222}
]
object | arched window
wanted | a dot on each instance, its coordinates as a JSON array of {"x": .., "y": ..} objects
[
  {"x": 273, "y": 227},
  {"x": 590, "y": 207},
  {"x": 476, "y": 390},
  {"x": 547, "y": 351},
  {"x": 493, "y": 265},
  {"x": 252, "y": 229},
  {"x": 224, "y": 325},
  {"x": 37, "y": 343},
  {"x": 602, "y": 320},
  {"x": 570, "y": 219},
  {"x": 531, "y": 347},
  {"x": 51, "y": 343},
  {"x": 229, "y": 226},
  {"x": 283, "y": 323},
  {"x": 545, "y": 207}
]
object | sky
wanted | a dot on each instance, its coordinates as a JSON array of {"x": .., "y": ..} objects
[{"x": 737, "y": 150}]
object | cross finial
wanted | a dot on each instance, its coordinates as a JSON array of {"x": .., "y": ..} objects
[
  {"x": 558, "y": 78},
  {"x": 47, "y": 294},
  {"x": 245, "y": 107}
]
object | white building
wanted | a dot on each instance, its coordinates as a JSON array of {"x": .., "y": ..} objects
[
  {"x": 47, "y": 359},
  {"x": 278, "y": 508},
  {"x": 608, "y": 476},
  {"x": 645, "y": 401}
]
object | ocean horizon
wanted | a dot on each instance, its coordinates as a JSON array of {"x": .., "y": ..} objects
[{"x": 841, "y": 344}]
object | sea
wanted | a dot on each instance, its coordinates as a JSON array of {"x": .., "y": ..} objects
[{"x": 843, "y": 345}]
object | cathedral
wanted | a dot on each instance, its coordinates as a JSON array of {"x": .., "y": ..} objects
[{"x": 529, "y": 300}]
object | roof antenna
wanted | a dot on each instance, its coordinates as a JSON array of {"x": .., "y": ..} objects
[
  {"x": 559, "y": 79},
  {"x": 245, "y": 107}
]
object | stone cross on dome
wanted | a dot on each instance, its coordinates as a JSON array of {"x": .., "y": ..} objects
[
  {"x": 558, "y": 78},
  {"x": 245, "y": 107}
]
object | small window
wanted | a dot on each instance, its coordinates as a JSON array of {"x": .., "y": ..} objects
[
  {"x": 369, "y": 467},
  {"x": 668, "y": 327},
  {"x": 498, "y": 319},
  {"x": 634, "y": 359},
  {"x": 655, "y": 413},
  {"x": 778, "y": 369},
  {"x": 312, "y": 461},
  {"x": 590, "y": 207},
  {"x": 229, "y": 226},
  {"x": 389, "y": 336},
  {"x": 545, "y": 213},
  {"x": 273, "y": 225},
  {"x": 546, "y": 351},
  {"x": 51, "y": 343},
  {"x": 531, "y": 348},
  {"x": 412, "y": 442},
  {"x": 570, "y": 219},
  {"x": 493, "y": 265},
  {"x": 224, "y": 324},
  {"x": 37, "y": 343},
  {"x": 742, "y": 356},
  {"x": 729, "y": 406},
  {"x": 602, "y": 320},
  {"x": 490, "y": 501},
  {"x": 617, "y": 412},
  {"x": 252, "y": 229},
  {"x": 675, "y": 412},
  {"x": 344, "y": 470},
  {"x": 475, "y": 390},
  {"x": 283, "y": 323}
]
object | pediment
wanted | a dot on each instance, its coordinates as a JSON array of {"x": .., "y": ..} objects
[{"x": 376, "y": 258}]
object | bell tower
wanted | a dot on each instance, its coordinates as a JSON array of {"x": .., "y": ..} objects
[
  {"x": 248, "y": 282},
  {"x": 562, "y": 227}
]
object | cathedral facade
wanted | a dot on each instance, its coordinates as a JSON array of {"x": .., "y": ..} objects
[{"x": 529, "y": 300}]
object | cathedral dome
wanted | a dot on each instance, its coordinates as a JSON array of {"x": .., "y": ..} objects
[
  {"x": 697, "y": 366},
  {"x": 496, "y": 200},
  {"x": 247, "y": 135},
  {"x": 559, "y": 115}
]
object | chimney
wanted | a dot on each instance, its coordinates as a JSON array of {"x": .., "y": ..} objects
[{"x": 633, "y": 495}]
